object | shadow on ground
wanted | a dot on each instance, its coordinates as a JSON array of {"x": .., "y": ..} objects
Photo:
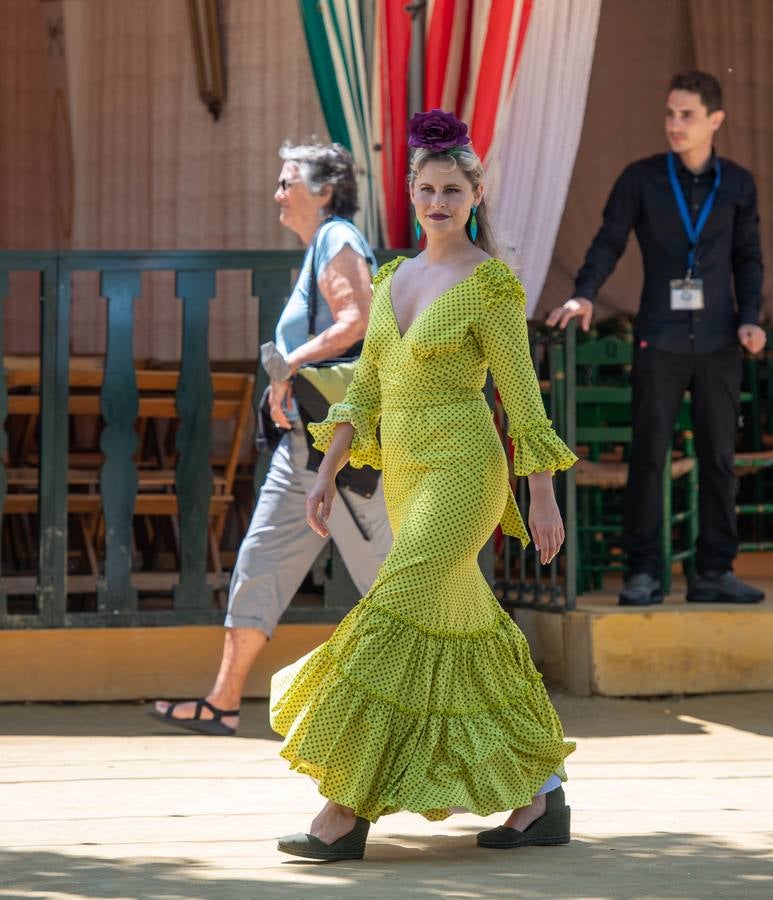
[
  {"x": 581, "y": 717},
  {"x": 121, "y": 719},
  {"x": 592, "y": 717},
  {"x": 662, "y": 866}
]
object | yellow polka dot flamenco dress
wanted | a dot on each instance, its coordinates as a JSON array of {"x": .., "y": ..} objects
[{"x": 425, "y": 697}]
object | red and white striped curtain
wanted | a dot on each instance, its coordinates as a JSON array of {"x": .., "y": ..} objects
[
  {"x": 389, "y": 104},
  {"x": 473, "y": 48},
  {"x": 532, "y": 159},
  {"x": 472, "y": 51}
]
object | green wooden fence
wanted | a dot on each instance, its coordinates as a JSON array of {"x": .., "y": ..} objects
[{"x": 120, "y": 274}]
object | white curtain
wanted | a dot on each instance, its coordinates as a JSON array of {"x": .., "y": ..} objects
[{"x": 534, "y": 155}]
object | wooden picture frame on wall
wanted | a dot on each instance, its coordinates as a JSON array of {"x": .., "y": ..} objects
[{"x": 208, "y": 53}]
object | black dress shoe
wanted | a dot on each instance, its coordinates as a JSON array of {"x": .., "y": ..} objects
[
  {"x": 721, "y": 587},
  {"x": 641, "y": 589}
]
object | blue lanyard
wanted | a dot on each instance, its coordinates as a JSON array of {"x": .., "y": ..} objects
[{"x": 693, "y": 231}]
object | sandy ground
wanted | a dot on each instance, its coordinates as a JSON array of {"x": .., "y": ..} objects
[{"x": 671, "y": 799}]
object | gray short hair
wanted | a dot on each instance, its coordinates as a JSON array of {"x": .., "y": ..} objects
[{"x": 326, "y": 164}]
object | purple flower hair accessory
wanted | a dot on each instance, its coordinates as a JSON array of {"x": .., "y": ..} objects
[{"x": 437, "y": 131}]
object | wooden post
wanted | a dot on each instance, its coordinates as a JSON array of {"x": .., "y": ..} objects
[
  {"x": 3, "y": 433},
  {"x": 193, "y": 476},
  {"x": 271, "y": 287},
  {"x": 118, "y": 477},
  {"x": 570, "y": 477},
  {"x": 54, "y": 389}
]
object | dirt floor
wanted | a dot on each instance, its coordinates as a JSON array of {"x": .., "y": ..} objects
[{"x": 671, "y": 798}]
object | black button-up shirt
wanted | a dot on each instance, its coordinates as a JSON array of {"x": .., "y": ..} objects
[{"x": 728, "y": 252}]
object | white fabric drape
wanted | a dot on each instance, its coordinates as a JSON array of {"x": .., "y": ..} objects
[
  {"x": 347, "y": 43},
  {"x": 534, "y": 154}
]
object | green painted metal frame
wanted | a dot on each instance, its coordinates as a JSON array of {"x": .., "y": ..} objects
[
  {"x": 532, "y": 586},
  {"x": 4, "y": 285}
]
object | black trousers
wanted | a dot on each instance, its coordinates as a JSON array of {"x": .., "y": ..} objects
[{"x": 659, "y": 380}]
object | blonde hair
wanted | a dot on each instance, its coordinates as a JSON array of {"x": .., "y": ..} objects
[{"x": 466, "y": 159}]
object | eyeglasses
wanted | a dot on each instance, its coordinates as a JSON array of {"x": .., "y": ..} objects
[{"x": 283, "y": 184}]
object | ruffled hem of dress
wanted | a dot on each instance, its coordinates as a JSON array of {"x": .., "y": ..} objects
[
  {"x": 376, "y": 743},
  {"x": 365, "y": 449},
  {"x": 537, "y": 448}
]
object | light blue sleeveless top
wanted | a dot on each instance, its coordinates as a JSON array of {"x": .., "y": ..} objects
[{"x": 292, "y": 329}]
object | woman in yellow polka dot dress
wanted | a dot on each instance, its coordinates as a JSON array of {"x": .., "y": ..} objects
[{"x": 425, "y": 697}]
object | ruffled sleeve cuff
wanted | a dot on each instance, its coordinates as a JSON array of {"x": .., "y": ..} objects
[
  {"x": 539, "y": 449},
  {"x": 365, "y": 449}
]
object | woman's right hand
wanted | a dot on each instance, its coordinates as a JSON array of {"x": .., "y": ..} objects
[
  {"x": 319, "y": 501},
  {"x": 577, "y": 306}
]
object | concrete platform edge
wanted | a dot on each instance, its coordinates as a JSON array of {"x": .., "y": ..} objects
[
  {"x": 91, "y": 664},
  {"x": 672, "y": 650}
]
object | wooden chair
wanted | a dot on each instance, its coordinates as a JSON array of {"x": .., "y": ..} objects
[{"x": 156, "y": 497}]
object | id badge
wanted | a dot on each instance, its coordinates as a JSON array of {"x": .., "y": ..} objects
[{"x": 686, "y": 294}]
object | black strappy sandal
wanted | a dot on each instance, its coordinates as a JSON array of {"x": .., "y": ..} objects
[{"x": 197, "y": 724}]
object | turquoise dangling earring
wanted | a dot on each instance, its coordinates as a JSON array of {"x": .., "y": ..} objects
[
  {"x": 473, "y": 223},
  {"x": 417, "y": 227}
]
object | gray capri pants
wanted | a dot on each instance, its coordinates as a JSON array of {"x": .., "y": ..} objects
[{"x": 280, "y": 548}]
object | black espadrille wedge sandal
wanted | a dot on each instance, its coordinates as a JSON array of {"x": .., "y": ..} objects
[
  {"x": 552, "y": 827},
  {"x": 350, "y": 846}
]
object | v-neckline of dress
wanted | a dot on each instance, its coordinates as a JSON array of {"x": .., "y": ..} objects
[{"x": 431, "y": 303}]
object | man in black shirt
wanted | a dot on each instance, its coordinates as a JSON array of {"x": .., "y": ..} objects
[{"x": 695, "y": 218}]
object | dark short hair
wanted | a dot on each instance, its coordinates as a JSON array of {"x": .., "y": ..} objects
[
  {"x": 322, "y": 164},
  {"x": 706, "y": 86}
]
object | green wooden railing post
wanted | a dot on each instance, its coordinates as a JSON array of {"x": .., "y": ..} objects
[
  {"x": 558, "y": 414},
  {"x": 3, "y": 433},
  {"x": 193, "y": 477},
  {"x": 339, "y": 591},
  {"x": 667, "y": 533},
  {"x": 692, "y": 505},
  {"x": 570, "y": 477},
  {"x": 54, "y": 388},
  {"x": 118, "y": 477},
  {"x": 271, "y": 287}
]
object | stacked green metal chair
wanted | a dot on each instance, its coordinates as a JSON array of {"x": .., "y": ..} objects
[
  {"x": 602, "y": 393},
  {"x": 754, "y": 461}
]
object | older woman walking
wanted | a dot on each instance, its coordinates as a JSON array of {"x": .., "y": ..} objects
[{"x": 317, "y": 197}]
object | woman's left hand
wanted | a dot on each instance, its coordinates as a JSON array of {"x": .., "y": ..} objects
[
  {"x": 319, "y": 502},
  {"x": 547, "y": 529}
]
